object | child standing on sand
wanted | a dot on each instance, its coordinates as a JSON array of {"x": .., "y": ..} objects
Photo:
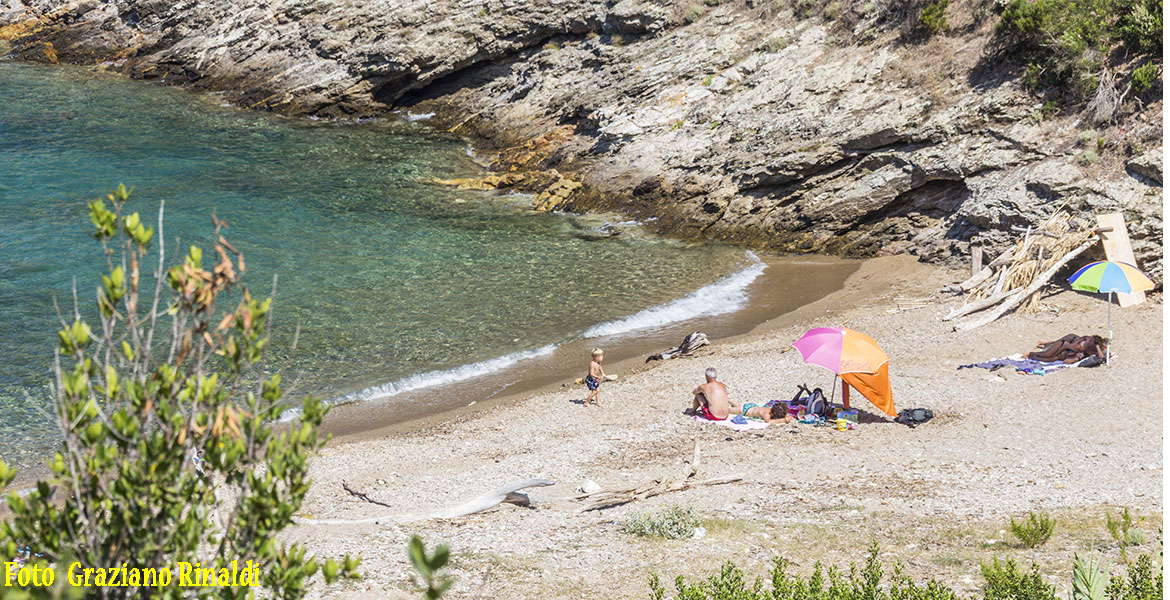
[{"x": 595, "y": 377}]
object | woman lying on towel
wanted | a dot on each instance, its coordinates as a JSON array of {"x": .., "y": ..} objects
[
  {"x": 769, "y": 412},
  {"x": 1070, "y": 349}
]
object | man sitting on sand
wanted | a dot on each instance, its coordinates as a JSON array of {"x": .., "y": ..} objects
[
  {"x": 711, "y": 399},
  {"x": 1070, "y": 349}
]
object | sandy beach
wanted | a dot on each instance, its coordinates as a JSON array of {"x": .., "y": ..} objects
[{"x": 1077, "y": 443}]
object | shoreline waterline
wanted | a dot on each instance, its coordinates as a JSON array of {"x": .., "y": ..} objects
[{"x": 778, "y": 285}]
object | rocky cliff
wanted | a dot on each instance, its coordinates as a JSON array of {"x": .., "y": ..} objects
[{"x": 835, "y": 131}]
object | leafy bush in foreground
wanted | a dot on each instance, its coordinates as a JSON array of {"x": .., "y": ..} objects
[
  {"x": 168, "y": 454},
  {"x": 1004, "y": 581},
  {"x": 672, "y": 522}
]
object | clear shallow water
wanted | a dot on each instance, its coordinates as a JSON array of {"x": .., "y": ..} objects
[{"x": 396, "y": 283}]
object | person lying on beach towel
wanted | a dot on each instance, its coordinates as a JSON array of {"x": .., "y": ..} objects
[
  {"x": 1070, "y": 349},
  {"x": 711, "y": 398},
  {"x": 768, "y": 412}
]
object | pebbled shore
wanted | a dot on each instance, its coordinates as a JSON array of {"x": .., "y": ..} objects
[{"x": 935, "y": 497}]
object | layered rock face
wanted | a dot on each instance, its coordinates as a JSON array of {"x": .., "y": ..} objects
[{"x": 748, "y": 125}]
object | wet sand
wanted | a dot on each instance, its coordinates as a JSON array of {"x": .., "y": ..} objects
[{"x": 786, "y": 285}]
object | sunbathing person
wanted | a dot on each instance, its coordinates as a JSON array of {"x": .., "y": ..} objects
[
  {"x": 711, "y": 399},
  {"x": 774, "y": 412},
  {"x": 1070, "y": 349}
]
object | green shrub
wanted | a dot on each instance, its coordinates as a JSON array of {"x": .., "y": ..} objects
[
  {"x": 1144, "y": 77},
  {"x": 1124, "y": 531},
  {"x": 1037, "y": 529},
  {"x": 1004, "y": 581},
  {"x": 1141, "y": 27},
  {"x": 693, "y": 12},
  {"x": 1069, "y": 39},
  {"x": 1086, "y": 158},
  {"x": 673, "y": 522},
  {"x": 707, "y": 80},
  {"x": 1139, "y": 583},
  {"x": 170, "y": 458},
  {"x": 933, "y": 16},
  {"x": 866, "y": 584},
  {"x": 777, "y": 43}
]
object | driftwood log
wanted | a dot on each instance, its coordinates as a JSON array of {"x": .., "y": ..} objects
[
  {"x": 610, "y": 499},
  {"x": 509, "y": 493},
  {"x": 1014, "y": 299},
  {"x": 689, "y": 344}
]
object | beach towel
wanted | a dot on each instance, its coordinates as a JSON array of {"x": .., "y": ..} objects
[
  {"x": 1028, "y": 366},
  {"x": 736, "y": 422}
]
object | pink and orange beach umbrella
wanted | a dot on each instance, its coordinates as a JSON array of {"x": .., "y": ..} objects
[{"x": 854, "y": 356}]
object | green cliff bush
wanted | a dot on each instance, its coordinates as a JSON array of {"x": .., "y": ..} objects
[
  {"x": 1035, "y": 531},
  {"x": 933, "y": 16},
  {"x": 1144, "y": 77},
  {"x": 694, "y": 12},
  {"x": 1069, "y": 40},
  {"x": 165, "y": 409}
]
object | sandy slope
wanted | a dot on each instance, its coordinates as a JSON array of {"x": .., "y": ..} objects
[{"x": 1073, "y": 442}]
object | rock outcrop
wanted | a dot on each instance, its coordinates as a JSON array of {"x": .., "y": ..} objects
[{"x": 747, "y": 125}]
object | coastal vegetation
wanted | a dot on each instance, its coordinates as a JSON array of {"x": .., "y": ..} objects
[
  {"x": 1035, "y": 531},
  {"x": 1068, "y": 43},
  {"x": 1004, "y": 581},
  {"x": 168, "y": 452},
  {"x": 672, "y": 522}
]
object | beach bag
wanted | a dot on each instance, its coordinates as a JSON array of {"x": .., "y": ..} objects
[
  {"x": 913, "y": 417},
  {"x": 817, "y": 404}
]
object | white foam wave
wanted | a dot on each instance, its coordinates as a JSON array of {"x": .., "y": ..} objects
[
  {"x": 724, "y": 296},
  {"x": 445, "y": 376},
  {"x": 412, "y": 117}
]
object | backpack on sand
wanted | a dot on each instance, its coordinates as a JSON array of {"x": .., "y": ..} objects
[{"x": 814, "y": 403}]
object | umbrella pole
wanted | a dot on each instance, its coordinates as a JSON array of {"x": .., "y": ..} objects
[{"x": 1109, "y": 320}]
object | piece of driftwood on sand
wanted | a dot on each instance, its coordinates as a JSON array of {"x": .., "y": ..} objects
[
  {"x": 689, "y": 344},
  {"x": 1013, "y": 280},
  {"x": 509, "y": 493},
  {"x": 1016, "y": 299}
]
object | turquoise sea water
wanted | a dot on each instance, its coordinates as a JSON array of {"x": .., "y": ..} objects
[{"x": 395, "y": 283}]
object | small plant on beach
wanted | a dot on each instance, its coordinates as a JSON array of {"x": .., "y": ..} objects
[
  {"x": 428, "y": 566},
  {"x": 1124, "y": 531},
  {"x": 674, "y": 522},
  {"x": 1089, "y": 579},
  {"x": 168, "y": 453},
  {"x": 693, "y": 12},
  {"x": 1035, "y": 531}
]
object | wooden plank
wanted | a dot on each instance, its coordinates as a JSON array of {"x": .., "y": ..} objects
[
  {"x": 1118, "y": 248},
  {"x": 976, "y": 260}
]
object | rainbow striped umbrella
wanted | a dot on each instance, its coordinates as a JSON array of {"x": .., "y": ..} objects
[{"x": 1106, "y": 276}]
